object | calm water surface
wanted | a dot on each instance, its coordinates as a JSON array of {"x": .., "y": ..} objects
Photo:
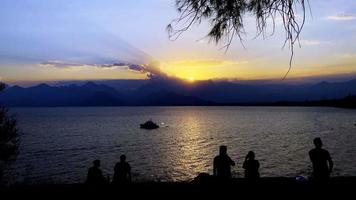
[{"x": 59, "y": 144}]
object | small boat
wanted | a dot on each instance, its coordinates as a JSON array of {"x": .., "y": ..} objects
[{"x": 149, "y": 125}]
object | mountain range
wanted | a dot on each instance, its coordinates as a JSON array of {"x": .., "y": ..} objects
[{"x": 170, "y": 92}]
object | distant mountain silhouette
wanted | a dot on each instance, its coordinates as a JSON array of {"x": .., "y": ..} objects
[
  {"x": 90, "y": 94},
  {"x": 166, "y": 98},
  {"x": 229, "y": 92},
  {"x": 173, "y": 92},
  {"x": 346, "y": 102}
]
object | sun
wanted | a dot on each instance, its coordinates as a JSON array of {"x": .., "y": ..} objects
[{"x": 191, "y": 79}]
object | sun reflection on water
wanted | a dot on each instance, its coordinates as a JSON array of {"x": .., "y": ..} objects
[{"x": 191, "y": 157}]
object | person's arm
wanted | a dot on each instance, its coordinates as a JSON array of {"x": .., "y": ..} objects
[
  {"x": 88, "y": 176},
  {"x": 214, "y": 167},
  {"x": 244, "y": 165},
  {"x": 102, "y": 177},
  {"x": 311, "y": 156},
  {"x": 331, "y": 163},
  {"x": 129, "y": 173},
  {"x": 232, "y": 163}
]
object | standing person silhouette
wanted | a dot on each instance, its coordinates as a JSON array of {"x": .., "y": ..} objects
[
  {"x": 222, "y": 164},
  {"x": 251, "y": 166},
  {"x": 321, "y": 160},
  {"x": 122, "y": 171},
  {"x": 95, "y": 175}
]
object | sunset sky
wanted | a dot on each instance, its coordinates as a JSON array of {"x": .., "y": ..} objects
[{"x": 81, "y": 40}]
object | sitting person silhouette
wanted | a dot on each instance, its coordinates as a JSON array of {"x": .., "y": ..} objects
[
  {"x": 321, "y": 160},
  {"x": 122, "y": 171},
  {"x": 95, "y": 175},
  {"x": 222, "y": 164},
  {"x": 251, "y": 166}
]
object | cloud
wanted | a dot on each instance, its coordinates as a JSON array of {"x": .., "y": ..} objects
[
  {"x": 149, "y": 69},
  {"x": 137, "y": 68},
  {"x": 310, "y": 42},
  {"x": 348, "y": 55},
  {"x": 134, "y": 67},
  {"x": 60, "y": 64},
  {"x": 313, "y": 42},
  {"x": 342, "y": 17},
  {"x": 105, "y": 66},
  {"x": 68, "y": 65},
  {"x": 120, "y": 64}
]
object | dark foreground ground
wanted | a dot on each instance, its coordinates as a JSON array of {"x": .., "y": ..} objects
[{"x": 284, "y": 188}]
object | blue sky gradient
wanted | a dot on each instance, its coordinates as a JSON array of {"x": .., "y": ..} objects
[{"x": 77, "y": 37}]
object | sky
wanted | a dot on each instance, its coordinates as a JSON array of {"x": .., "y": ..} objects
[{"x": 108, "y": 39}]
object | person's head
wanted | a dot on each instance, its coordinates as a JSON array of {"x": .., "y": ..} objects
[
  {"x": 96, "y": 163},
  {"x": 318, "y": 143},
  {"x": 123, "y": 158},
  {"x": 250, "y": 155},
  {"x": 223, "y": 150}
]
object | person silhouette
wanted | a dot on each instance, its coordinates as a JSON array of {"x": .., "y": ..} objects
[
  {"x": 122, "y": 171},
  {"x": 321, "y": 160},
  {"x": 95, "y": 175},
  {"x": 251, "y": 166},
  {"x": 222, "y": 164}
]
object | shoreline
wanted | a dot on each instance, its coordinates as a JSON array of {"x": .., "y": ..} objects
[
  {"x": 286, "y": 104},
  {"x": 270, "y": 186}
]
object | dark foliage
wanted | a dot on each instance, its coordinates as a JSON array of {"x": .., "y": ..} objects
[{"x": 8, "y": 133}]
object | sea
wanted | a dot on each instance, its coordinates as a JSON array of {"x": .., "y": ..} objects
[{"x": 58, "y": 144}]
